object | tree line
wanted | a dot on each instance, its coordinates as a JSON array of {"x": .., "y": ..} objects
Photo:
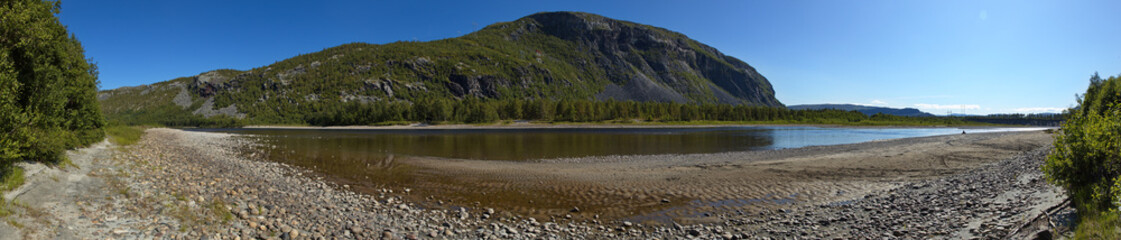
[
  {"x": 476, "y": 110},
  {"x": 48, "y": 89},
  {"x": 170, "y": 115},
  {"x": 1034, "y": 119}
]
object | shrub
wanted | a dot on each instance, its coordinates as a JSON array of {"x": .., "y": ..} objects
[
  {"x": 48, "y": 89},
  {"x": 1086, "y": 160}
]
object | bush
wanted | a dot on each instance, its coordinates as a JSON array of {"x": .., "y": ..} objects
[
  {"x": 1086, "y": 160},
  {"x": 48, "y": 89}
]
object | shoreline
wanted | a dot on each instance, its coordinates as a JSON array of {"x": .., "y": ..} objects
[
  {"x": 419, "y": 126},
  {"x": 212, "y": 184}
]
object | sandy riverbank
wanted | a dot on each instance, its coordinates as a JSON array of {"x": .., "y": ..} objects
[{"x": 180, "y": 184}]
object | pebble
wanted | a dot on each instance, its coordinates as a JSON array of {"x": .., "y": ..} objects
[{"x": 271, "y": 196}]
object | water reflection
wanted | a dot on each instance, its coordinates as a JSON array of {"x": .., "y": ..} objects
[
  {"x": 505, "y": 144},
  {"x": 369, "y": 160},
  {"x": 526, "y": 144}
]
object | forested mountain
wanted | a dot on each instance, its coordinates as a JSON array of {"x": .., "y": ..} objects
[
  {"x": 553, "y": 56},
  {"x": 867, "y": 110}
]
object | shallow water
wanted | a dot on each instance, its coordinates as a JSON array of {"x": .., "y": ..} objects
[
  {"x": 529, "y": 144},
  {"x": 372, "y": 160}
]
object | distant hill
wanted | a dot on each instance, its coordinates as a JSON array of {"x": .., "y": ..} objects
[
  {"x": 552, "y": 55},
  {"x": 964, "y": 115},
  {"x": 1035, "y": 119},
  {"x": 867, "y": 110}
]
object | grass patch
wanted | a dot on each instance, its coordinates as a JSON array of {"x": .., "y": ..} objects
[
  {"x": 124, "y": 191},
  {"x": 179, "y": 197},
  {"x": 1101, "y": 225},
  {"x": 186, "y": 217},
  {"x": 5, "y": 208},
  {"x": 15, "y": 223},
  {"x": 119, "y": 186},
  {"x": 64, "y": 162},
  {"x": 12, "y": 177},
  {"x": 219, "y": 209},
  {"x": 124, "y": 135}
]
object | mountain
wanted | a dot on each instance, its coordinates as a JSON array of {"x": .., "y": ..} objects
[
  {"x": 551, "y": 55},
  {"x": 867, "y": 110}
]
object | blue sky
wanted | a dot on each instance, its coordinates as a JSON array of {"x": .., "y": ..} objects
[{"x": 939, "y": 56}]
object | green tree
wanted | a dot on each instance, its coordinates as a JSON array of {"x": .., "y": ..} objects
[
  {"x": 1086, "y": 160},
  {"x": 48, "y": 89}
]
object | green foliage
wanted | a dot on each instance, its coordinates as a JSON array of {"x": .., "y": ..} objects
[
  {"x": 124, "y": 135},
  {"x": 47, "y": 87},
  {"x": 11, "y": 177},
  {"x": 1098, "y": 225},
  {"x": 131, "y": 108},
  {"x": 152, "y": 105},
  {"x": 1086, "y": 160},
  {"x": 416, "y": 72},
  {"x": 219, "y": 121},
  {"x": 218, "y": 208},
  {"x": 474, "y": 110},
  {"x": 1101, "y": 96},
  {"x": 172, "y": 116},
  {"x": 1036, "y": 119},
  {"x": 6, "y": 210}
]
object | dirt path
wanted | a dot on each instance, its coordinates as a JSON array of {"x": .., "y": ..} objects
[{"x": 80, "y": 201}]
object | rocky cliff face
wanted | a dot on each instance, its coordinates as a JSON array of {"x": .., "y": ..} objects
[
  {"x": 554, "y": 55},
  {"x": 646, "y": 63}
]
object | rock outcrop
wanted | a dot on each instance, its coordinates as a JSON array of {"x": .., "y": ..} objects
[{"x": 646, "y": 63}]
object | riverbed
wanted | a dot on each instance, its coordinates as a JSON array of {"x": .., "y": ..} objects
[{"x": 648, "y": 175}]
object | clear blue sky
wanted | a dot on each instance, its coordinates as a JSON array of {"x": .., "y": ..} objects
[{"x": 938, "y": 56}]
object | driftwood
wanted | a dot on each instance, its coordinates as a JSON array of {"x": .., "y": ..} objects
[{"x": 1043, "y": 214}]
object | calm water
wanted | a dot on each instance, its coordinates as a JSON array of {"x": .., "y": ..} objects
[
  {"x": 527, "y": 144},
  {"x": 371, "y": 160}
]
